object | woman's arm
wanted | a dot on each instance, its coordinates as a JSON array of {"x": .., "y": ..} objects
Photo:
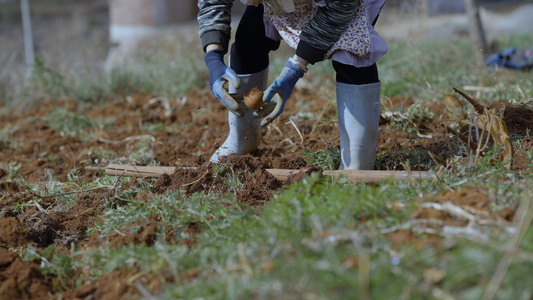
[
  {"x": 214, "y": 18},
  {"x": 324, "y": 30}
]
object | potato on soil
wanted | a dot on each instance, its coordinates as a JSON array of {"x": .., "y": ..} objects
[{"x": 254, "y": 98}]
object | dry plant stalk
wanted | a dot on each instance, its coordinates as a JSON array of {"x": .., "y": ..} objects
[
  {"x": 487, "y": 120},
  {"x": 472, "y": 145},
  {"x": 498, "y": 130},
  {"x": 479, "y": 150},
  {"x": 297, "y": 130},
  {"x": 436, "y": 159}
]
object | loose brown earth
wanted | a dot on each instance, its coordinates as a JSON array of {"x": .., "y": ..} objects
[{"x": 192, "y": 126}]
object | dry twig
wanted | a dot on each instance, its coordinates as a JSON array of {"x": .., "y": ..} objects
[
  {"x": 479, "y": 108},
  {"x": 297, "y": 130}
]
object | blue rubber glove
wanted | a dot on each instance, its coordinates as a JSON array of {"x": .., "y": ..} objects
[
  {"x": 219, "y": 76},
  {"x": 281, "y": 87}
]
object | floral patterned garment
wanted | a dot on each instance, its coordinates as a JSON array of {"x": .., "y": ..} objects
[{"x": 359, "y": 45}]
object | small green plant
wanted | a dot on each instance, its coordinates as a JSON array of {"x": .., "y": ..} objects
[
  {"x": 410, "y": 121},
  {"x": 3, "y": 93},
  {"x": 6, "y": 136},
  {"x": 404, "y": 158},
  {"x": 48, "y": 82},
  {"x": 103, "y": 124},
  {"x": 228, "y": 175},
  {"x": 142, "y": 153},
  {"x": 529, "y": 156},
  {"x": 126, "y": 82},
  {"x": 13, "y": 171},
  {"x": 154, "y": 128},
  {"x": 92, "y": 90},
  {"x": 56, "y": 265},
  {"x": 97, "y": 155},
  {"x": 67, "y": 122},
  {"x": 327, "y": 159}
]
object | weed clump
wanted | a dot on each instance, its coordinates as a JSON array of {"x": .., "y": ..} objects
[{"x": 327, "y": 159}]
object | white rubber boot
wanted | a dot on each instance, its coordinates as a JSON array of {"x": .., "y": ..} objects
[
  {"x": 358, "y": 108},
  {"x": 244, "y": 132}
]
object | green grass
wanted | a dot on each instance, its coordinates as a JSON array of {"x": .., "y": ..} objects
[
  {"x": 156, "y": 76},
  {"x": 309, "y": 242},
  {"x": 427, "y": 70}
]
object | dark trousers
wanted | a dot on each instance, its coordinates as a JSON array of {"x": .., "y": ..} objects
[{"x": 249, "y": 52}]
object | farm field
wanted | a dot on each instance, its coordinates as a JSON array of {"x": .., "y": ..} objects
[{"x": 234, "y": 231}]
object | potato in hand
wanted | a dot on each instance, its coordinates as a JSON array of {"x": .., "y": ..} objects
[{"x": 254, "y": 98}]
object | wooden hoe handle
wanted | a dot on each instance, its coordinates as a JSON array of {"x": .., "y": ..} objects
[{"x": 368, "y": 176}]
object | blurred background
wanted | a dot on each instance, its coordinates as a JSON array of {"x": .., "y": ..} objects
[{"x": 80, "y": 38}]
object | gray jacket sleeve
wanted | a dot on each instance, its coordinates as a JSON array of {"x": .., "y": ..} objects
[
  {"x": 214, "y": 19},
  {"x": 325, "y": 29}
]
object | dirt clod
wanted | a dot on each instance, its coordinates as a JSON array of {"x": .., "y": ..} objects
[{"x": 41, "y": 228}]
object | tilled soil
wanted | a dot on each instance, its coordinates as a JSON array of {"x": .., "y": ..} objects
[{"x": 37, "y": 151}]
